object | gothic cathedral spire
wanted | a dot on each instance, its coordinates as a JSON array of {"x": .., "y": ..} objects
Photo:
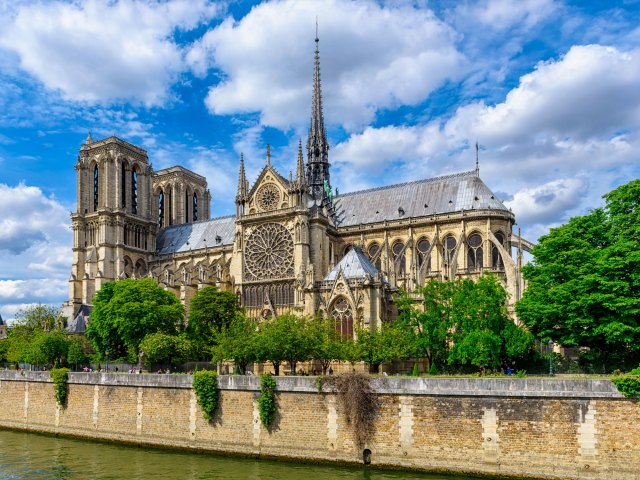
[{"x": 317, "y": 145}]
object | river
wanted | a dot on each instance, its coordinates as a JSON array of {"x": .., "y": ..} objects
[{"x": 31, "y": 456}]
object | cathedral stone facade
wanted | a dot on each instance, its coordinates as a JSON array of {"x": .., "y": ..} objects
[{"x": 293, "y": 245}]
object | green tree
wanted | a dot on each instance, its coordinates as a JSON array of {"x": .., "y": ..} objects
[
  {"x": 166, "y": 349},
  {"x": 326, "y": 342},
  {"x": 124, "y": 312},
  {"x": 76, "y": 354},
  {"x": 483, "y": 334},
  {"x": 430, "y": 319},
  {"x": 237, "y": 342},
  {"x": 286, "y": 337},
  {"x": 209, "y": 311},
  {"x": 52, "y": 346},
  {"x": 390, "y": 342},
  {"x": 40, "y": 317},
  {"x": 584, "y": 282},
  {"x": 4, "y": 349}
]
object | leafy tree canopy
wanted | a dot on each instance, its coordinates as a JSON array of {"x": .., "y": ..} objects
[
  {"x": 210, "y": 310},
  {"x": 237, "y": 342},
  {"x": 166, "y": 349},
  {"x": 286, "y": 337},
  {"x": 584, "y": 282},
  {"x": 124, "y": 312}
]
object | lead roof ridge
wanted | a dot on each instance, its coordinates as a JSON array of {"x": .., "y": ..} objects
[{"x": 470, "y": 173}]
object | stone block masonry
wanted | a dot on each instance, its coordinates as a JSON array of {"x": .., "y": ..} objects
[{"x": 535, "y": 428}]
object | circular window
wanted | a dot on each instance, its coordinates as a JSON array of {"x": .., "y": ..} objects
[
  {"x": 269, "y": 253},
  {"x": 268, "y": 197}
]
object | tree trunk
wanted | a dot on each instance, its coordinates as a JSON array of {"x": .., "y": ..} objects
[{"x": 276, "y": 368}]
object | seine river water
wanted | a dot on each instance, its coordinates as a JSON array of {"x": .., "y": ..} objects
[{"x": 39, "y": 457}]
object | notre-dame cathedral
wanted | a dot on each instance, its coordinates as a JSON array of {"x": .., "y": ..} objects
[{"x": 293, "y": 245}]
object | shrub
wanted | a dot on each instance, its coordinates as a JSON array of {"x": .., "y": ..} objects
[
  {"x": 359, "y": 402},
  {"x": 521, "y": 373},
  {"x": 60, "y": 376},
  {"x": 433, "y": 370},
  {"x": 205, "y": 384},
  {"x": 416, "y": 370},
  {"x": 267, "y": 401},
  {"x": 628, "y": 385}
]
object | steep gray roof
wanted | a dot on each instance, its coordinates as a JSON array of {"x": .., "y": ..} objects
[
  {"x": 192, "y": 236},
  {"x": 80, "y": 321},
  {"x": 450, "y": 193},
  {"x": 1, "y": 321},
  {"x": 354, "y": 264}
]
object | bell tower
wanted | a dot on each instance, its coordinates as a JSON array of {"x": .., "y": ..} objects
[{"x": 114, "y": 230}]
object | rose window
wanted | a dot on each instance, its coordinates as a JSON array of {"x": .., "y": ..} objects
[
  {"x": 268, "y": 197},
  {"x": 269, "y": 253}
]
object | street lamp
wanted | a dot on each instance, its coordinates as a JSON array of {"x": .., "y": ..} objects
[
  {"x": 550, "y": 345},
  {"x": 107, "y": 355}
]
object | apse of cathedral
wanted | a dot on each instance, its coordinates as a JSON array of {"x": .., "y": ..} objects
[{"x": 293, "y": 245}]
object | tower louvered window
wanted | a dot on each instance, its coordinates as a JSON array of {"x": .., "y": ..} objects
[
  {"x": 195, "y": 207},
  {"x": 161, "y": 209},
  {"x": 96, "y": 182},
  {"x": 134, "y": 192}
]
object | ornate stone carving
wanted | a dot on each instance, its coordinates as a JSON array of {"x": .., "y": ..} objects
[
  {"x": 268, "y": 197},
  {"x": 269, "y": 253}
]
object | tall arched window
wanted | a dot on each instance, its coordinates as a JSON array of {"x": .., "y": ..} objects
[
  {"x": 96, "y": 183},
  {"x": 449, "y": 247},
  {"x": 423, "y": 251},
  {"x": 134, "y": 191},
  {"x": 373, "y": 250},
  {"x": 474, "y": 252},
  {"x": 343, "y": 318},
  {"x": 186, "y": 207},
  {"x": 399, "y": 258},
  {"x": 496, "y": 258},
  {"x": 123, "y": 185},
  {"x": 195, "y": 207},
  {"x": 161, "y": 209}
]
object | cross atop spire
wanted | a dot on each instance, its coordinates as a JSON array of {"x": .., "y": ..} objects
[{"x": 317, "y": 145}]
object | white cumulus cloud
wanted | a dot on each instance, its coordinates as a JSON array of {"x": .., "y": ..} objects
[
  {"x": 373, "y": 57},
  {"x": 570, "y": 123},
  {"x": 102, "y": 51}
]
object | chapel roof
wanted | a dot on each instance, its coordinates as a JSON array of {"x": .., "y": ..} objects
[
  {"x": 215, "y": 232},
  {"x": 449, "y": 193},
  {"x": 354, "y": 264},
  {"x": 79, "y": 323}
]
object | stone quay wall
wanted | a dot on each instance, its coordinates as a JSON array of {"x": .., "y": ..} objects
[{"x": 533, "y": 428}]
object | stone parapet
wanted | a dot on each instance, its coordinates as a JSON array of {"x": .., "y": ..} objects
[{"x": 482, "y": 387}]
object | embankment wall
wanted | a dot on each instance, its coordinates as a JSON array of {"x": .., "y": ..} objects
[{"x": 540, "y": 428}]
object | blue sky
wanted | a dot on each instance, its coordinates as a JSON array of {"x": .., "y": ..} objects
[{"x": 550, "y": 89}]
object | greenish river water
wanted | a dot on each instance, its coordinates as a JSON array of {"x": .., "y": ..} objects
[{"x": 39, "y": 457}]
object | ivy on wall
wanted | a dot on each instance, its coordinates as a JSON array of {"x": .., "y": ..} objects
[
  {"x": 629, "y": 385},
  {"x": 267, "y": 400},
  {"x": 205, "y": 384},
  {"x": 60, "y": 376}
]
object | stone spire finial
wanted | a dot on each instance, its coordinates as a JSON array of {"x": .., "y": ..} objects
[
  {"x": 317, "y": 145},
  {"x": 300, "y": 167},
  {"x": 268, "y": 154},
  {"x": 477, "y": 160},
  {"x": 242, "y": 180},
  {"x": 88, "y": 139}
]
